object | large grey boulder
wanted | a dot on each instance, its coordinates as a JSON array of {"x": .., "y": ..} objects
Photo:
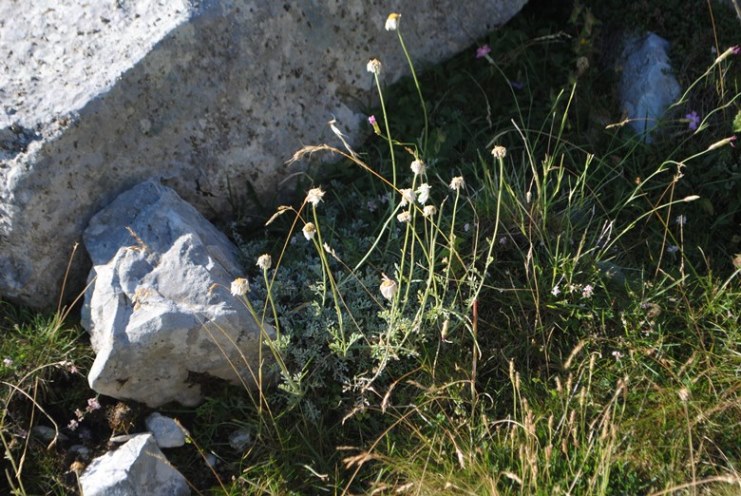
[
  {"x": 159, "y": 309},
  {"x": 138, "y": 468},
  {"x": 647, "y": 83},
  {"x": 204, "y": 94}
]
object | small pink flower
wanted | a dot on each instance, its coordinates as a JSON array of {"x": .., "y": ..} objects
[
  {"x": 372, "y": 120},
  {"x": 73, "y": 424},
  {"x": 483, "y": 51},
  {"x": 736, "y": 49}
]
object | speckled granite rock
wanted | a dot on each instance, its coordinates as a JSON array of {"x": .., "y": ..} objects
[{"x": 198, "y": 93}]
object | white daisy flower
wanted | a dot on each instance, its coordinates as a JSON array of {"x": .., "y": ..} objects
[
  {"x": 264, "y": 261},
  {"x": 240, "y": 286},
  {"x": 309, "y": 231},
  {"x": 388, "y": 287},
  {"x": 314, "y": 196},
  {"x": 418, "y": 167},
  {"x": 424, "y": 193},
  {"x": 374, "y": 66},
  {"x": 457, "y": 183},
  {"x": 499, "y": 151},
  {"x": 392, "y": 21},
  {"x": 407, "y": 196}
]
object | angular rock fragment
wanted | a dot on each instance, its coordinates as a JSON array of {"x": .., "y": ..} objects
[
  {"x": 158, "y": 309},
  {"x": 135, "y": 469}
]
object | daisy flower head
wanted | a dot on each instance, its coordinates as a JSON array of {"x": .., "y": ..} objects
[
  {"x": 429, "y": 211},
  {"x": 392, "y": 21},
  {"x": 423, "y": 193},
  {"x": 314, "y": 196},
  {"x": 407, "y": 196},
  {"x": 309, "y": 231},
  {"x": 388, "y": 287},
  {"x": 457, "y": 183},
  {"x": 418, "y": 167},
  {"x": 240, "y": 286},
  {"x": 499, "y": 151},
  {"x": 374, "y": 67},
  {"x": 264, "y": 261}
]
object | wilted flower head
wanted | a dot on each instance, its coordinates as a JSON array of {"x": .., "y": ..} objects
[
  {"x": 457, "y": 183},
  {"x": 264, "y": 261},
  {"x": 429, "y": 210},
  {"x": 240, "y": 286},
  {"x": 309, "y": 230},
  {"x": 392, "y": 21},
  {"x": 734, "y": 50},
  {"x": 499, "y": 151},
  {"x": 405, "y": 216},
  {"x": 418, "y": 167},
  {"x": 374, "y": 66},
  {"x": 314, "y": 196},
  {"x": 388, "y": 287},
  {"x": 407, "y": 196},
  {"x": 483, "y": 51},
  {"x": 424, "y": 193},
  {"x": 725, "y": 141}
]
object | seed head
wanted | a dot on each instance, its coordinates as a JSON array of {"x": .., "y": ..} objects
[{"x": 429, "y": 211}]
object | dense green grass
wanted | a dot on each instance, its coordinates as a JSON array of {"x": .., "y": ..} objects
[{"x": 566, "y": 322}]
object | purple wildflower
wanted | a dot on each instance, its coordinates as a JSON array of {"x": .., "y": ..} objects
[
  {"x": 483, "y": 51},
  {"x": 372, "y": 120},
  {"x": 694, "y": 120}
]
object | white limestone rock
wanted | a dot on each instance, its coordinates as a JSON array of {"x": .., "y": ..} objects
[
  {"x": 159, "y": 309},
  {"x": 647, "y": 83},
  {"x": 136, "y": 468},
  {"x": 203, "y": 94},
  {"x": 165, "y": 430}
]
